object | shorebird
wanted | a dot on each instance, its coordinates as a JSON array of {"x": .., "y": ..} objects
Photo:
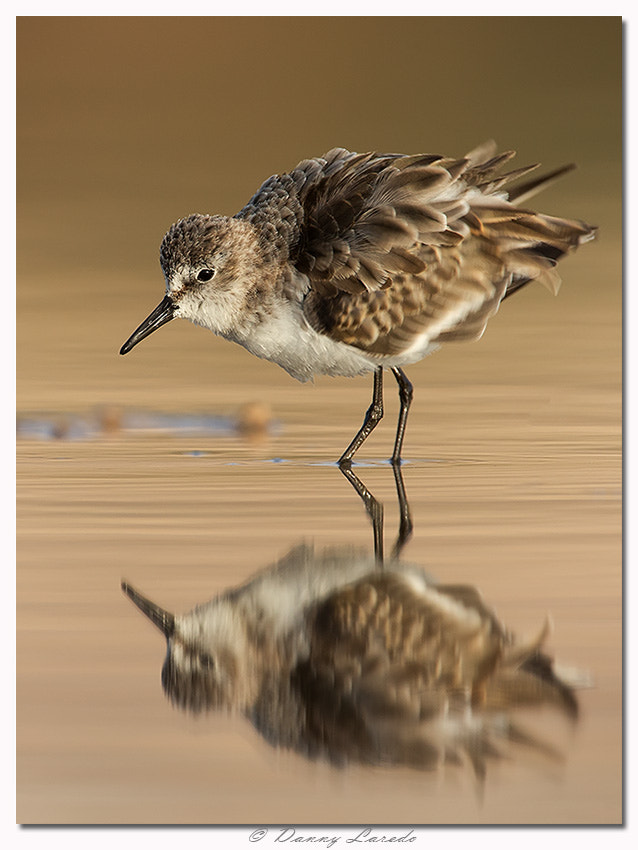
[
  {"x": 331, "y": 656},
  {"x": 354, "y": 263}
]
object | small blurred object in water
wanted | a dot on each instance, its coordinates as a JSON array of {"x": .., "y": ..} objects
[
  {"x": 109, "y": 418},
  {"x": 60, "y": 427},
  {"x": 253, "y": 422}
]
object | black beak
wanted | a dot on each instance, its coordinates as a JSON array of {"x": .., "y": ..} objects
[
  {"x": 163, "y": 313},
  {"x": 164, "y": 620}
]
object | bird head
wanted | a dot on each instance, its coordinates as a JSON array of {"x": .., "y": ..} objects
[
  {"x": 208, "y": 663},
  {"x": 209, "y": 265}
]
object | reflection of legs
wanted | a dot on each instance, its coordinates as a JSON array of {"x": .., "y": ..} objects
[
  {"x": 405, "y": 397},
  {"x": 373, "y": 416},
  {"x": 373, "y": 507},
  {"x": 405, "y": 523}
]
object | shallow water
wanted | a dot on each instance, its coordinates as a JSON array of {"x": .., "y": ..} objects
[
  {"x": 513, "y": 449},
  {"x": 513, "y": 475}
]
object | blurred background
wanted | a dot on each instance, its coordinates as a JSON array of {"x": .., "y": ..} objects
[{"x": 513, "y": 448}]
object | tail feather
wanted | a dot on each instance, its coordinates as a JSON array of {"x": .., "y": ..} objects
[
  {"x": 529, "y": 243},
  {"x": 533, "y": 187}
]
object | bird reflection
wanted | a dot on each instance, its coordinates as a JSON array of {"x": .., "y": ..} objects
[{"x": 339, "y": 656}]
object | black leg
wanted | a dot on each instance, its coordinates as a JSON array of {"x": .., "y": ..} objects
[
  {"x": 373, "y": 416},
  {"x": 405, "y": 397},
  {"x": 373, "y": 507},
  {"x": 405, "y": 518}
]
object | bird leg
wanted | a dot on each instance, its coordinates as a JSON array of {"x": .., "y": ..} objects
[
  {"x": 405, "y": 397},
  {"x": 373, "y": 416}
]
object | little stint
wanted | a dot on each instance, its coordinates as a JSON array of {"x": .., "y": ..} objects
[
  {"x": 355, "y": 263},
  {"x": 332, "y": 657}
]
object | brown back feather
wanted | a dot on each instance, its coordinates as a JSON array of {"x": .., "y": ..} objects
[{"x": 399, "y": 246}]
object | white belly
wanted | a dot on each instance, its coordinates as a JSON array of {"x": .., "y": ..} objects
[
  {"x": 282, "y": 335},
  {"x": 288, "y": 340}
]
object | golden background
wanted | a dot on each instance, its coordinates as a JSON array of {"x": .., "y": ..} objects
[{"x": 125, "y": 125}]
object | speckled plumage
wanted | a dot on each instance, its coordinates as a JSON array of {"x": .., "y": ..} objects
[
  {"x": 353, "y": 263},
  {"x": 335, "y": 657}
]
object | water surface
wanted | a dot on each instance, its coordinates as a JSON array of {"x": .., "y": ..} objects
[
  {"x": 513, "y": 449},
  {"x": 513, "y": 475}
]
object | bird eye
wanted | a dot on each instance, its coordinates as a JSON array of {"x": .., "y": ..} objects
[
  {"x": 206, "y": 661},
  {"x": 205, "y": 274}
]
